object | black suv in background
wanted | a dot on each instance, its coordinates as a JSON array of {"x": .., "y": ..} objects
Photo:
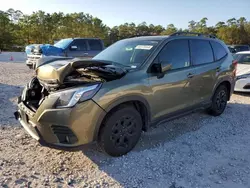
[{"x": 238, "y": 48}]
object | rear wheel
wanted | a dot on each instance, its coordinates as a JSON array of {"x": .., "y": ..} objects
[
  {"x": 121, "y": 131},
  {"x": 219, "y": 101}
]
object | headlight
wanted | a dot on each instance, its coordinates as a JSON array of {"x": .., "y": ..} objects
[
  {"x": 70, "y": 97},
  {"x": 243, "y": 76}
]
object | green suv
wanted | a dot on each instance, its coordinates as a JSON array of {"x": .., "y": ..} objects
[{"x": 125, "y": 89}]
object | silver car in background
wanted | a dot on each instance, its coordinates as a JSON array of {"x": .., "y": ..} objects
[{"x": 243, "y": 71}]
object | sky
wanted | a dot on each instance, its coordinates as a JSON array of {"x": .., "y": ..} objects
[{"x": 163, "y": 12}]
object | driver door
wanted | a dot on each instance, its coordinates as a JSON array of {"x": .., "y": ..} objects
[
  {"x": 173, "y": 91},
  {"x": 78, "y": 48}
]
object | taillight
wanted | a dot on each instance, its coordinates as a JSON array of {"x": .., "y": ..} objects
[{"x": 235, "y": 63}]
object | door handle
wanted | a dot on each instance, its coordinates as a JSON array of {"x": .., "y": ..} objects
[
  {"x": 85, "y": 53},
  {"x": 190, "y": 75}
]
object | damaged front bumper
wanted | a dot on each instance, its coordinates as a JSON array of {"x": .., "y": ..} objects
[{"x": 60, "y": 128}]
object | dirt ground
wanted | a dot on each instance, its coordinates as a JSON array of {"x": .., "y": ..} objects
[{"x": 194, "y": 151}]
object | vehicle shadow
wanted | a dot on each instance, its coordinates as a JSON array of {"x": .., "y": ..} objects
[
  {"x": 242, "y": 94},
  {"x": 163, "y": 134},
  {"x": 8, "y": 96}
]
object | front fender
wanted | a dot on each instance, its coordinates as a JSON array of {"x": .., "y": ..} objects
[{"x": 119, "y": 101}]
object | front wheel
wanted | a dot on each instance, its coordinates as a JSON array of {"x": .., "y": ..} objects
[
  {"x": 219, "y": 101},
  {"x": 121, "y": 131}
]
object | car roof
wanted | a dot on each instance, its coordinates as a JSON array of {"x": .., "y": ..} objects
[
  {"x": 148, "y": 38},
  {"x": 82, "y": 38},
  {"x": 163, "y": 37},
  {"x": 243, "y": 52}
]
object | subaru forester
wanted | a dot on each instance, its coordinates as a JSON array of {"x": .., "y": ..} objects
[{"x": 125, "y": 89}]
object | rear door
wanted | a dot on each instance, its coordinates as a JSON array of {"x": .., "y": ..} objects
[
  {"x": 78, "y": 48},
  {"x": 207, "y": 67},
  {"x": 95, "y": 47}
]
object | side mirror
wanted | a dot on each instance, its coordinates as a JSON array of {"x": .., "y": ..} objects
[
  {"x": 73, "y": 47},
  {"x": 156, "y": 68},
  {"x": 166, "y": 68}
]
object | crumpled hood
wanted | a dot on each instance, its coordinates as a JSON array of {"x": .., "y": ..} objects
[
  {"x": 57, "y": 70},
  {"x": 242, "y": 69},
  {"x": 45, "y": 49}
]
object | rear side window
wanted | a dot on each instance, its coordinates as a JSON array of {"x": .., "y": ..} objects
[
  {"x": 201, "y": 51},
  {"x": 176, "y": 53},
  {"x": 219, "y": 50},
  {"x": 95, "y": 45}
]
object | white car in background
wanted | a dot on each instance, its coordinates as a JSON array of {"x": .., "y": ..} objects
[{"x": 243, "y": 71}]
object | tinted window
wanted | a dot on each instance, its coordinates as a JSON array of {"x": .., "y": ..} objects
[
  {"x": 219, "y": 50},
  {"x": 232, "y": 50},
  {"x": 175, "y": 53},
  {"x": 95, "y": 45},
  {"x": 241, "y": 48},
  {"x": 81, "y": 45},
  {"x": 244, "y": 59},
  {"x": 201, "y": 52}
]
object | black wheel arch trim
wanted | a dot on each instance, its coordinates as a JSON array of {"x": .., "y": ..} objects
[
  {"x": 119, "y": 101},
  {"x": 224, "y": 79}
]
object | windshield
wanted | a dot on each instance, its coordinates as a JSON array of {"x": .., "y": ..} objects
[
  {"x": 128, "y": 52},
  {"x": 63, "y": 43}
]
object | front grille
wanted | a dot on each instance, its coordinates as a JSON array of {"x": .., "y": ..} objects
[{"x": 64, "y": 134}]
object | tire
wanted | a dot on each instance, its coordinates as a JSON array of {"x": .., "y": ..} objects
[
  {"x": 219, "y": 101},
  {"x": 120, "y": 131}
]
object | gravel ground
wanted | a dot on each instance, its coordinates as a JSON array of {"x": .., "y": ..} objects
[{"x": 194, "y": 151}]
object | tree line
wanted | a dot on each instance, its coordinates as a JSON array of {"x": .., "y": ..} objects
[{"x": 18, "y": 29}]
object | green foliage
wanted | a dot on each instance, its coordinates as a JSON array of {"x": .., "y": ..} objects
[
  {"x": 169, "y": 30},
  {"x": 17, "y": 29}
]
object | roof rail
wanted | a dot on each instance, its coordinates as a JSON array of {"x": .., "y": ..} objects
[{"x": 193, "y": 33}]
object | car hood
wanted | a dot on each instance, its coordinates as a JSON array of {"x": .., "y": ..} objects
[
  {"x": 57, "y": 70},
  {"x": 45, "y": 49},
  {"x": 242, "y": 69}
]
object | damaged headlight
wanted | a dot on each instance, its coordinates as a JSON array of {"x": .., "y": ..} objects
[{"x": 69, "y": 98}]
